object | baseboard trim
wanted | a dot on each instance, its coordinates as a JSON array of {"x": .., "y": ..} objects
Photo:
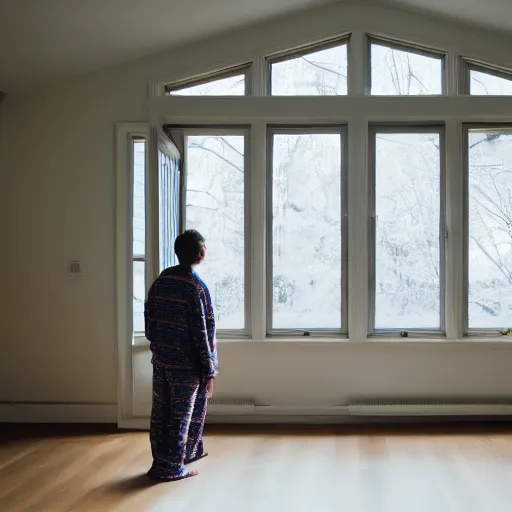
[
  {"x": 57, "y": 413},
  {"x": 142, "y": 423}
]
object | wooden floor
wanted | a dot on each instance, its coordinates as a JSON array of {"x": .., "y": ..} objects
[{"x": 409, "y": 469}]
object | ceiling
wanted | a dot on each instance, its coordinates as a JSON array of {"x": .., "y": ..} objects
[{"x": 42, "y": 40}]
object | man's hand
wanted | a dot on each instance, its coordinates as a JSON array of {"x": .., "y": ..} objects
[{"x": 209, "y": 389}]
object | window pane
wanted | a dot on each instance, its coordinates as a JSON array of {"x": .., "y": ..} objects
[
  {"x": 229, "y": 86},
  {"x": 306, "y": 231},
  {"x": 139, "y": 294},
  {"x": 490, "y": 228},
  {"x": 398, "y": 72},
  {"x": 485, "y": 83},
  {"x": 215, "y": 207},
  {"x": 139, "y": 213},
  {"x": 407, "y": 251},
  {"x": 321, "y": 73}
]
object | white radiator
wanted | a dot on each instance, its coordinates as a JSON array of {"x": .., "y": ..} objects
[
  {"x": 241, "y": 406},
  {"x": 231, "y": 406},
  {"x": 431, "y": 407}
]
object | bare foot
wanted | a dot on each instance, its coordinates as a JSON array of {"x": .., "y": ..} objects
[{"x": 181, "y": 476}]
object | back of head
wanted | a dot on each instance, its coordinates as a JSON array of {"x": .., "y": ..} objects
[{"x": 189, "y": 247}]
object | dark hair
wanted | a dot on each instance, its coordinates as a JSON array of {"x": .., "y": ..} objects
[{"x": 188, "y": 247}]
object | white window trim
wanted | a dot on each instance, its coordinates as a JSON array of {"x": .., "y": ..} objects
[
  {"x": 340, "y": 130},
  {"x": 125, "y": 133}
]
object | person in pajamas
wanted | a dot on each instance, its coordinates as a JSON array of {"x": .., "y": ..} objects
[{"x": 180, "y": 325}]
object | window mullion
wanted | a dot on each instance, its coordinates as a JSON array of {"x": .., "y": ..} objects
[
  {"x": 259, "y": 77},
  {"x": 454, "y": 275},
  {"x": 358, "y": 63},
  {"x": 358, "y": 219},
  {"x": 152, "y": 210},
  {"x": 452, "y": 75},
  {"x": 258, "y": 220}
]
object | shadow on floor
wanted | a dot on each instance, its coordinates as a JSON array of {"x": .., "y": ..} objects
[{"x": 130, "y": 484}]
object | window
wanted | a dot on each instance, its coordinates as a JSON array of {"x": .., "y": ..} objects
[
  {"x": 489, "y": 227},
  {"x": 169, "y": 180},
  {"x": 139, "y": 233},
  {"x": 231, "y": 83},
  {"x": 406, "y": 202},
  {"x": 483, "y": 83},
  {"x": 398, "y": 70},
  {"x": 430, "y": 245},
  {"x": 307, "y": 246},
  {"x": 215, "y": 205},
  {"x": 322, "y": 72}
]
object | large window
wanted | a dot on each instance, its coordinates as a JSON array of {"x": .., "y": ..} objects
[
  {"x": 320, "y": 72},
  {"x": 403, "y": 71},
  {"x": 215, "y": 197},
  {"x": 307, "y": 231},
  {"x": 489, "y": 227},
  {"x": 407, "y": 239},
  {"x": 348, "y": 197}
]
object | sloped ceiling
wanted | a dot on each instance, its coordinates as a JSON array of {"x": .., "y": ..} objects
[{"x": 43, "y": 40}]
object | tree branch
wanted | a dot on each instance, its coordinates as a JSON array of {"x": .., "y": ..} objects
[
  {"x": 498, "y": 266},
  {"x": 323, "y": 68},
  {"x": 195, "y": 145}
]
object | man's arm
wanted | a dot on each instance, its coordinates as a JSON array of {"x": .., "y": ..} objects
[
  {"x": 210, "y": 328},
  {"x": 149, "y": 314},
  {"x": 204, "y": 351}
]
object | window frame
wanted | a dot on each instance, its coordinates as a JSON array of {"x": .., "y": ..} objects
[
  {"x": 302, "y": 51},
  {"x": 243, "y": 69},
  {"x": 414, "y": 128},
  {"x": 478, "y": 332},
  {"x": 394, "y": 44},
  {"x": 467, "y": 65},
  {"x": 180, "y": 134},
  {"x": 342, "y": 131}
]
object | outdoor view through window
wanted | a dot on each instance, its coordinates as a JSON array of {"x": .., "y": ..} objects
[
  {"x": 407, "y": 235},
  {"x": 215, "y": 207},
  {"x": 490, "y": 228},
  {"x": 306, "y": 231}
]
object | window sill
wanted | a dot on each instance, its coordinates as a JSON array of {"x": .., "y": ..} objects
[{"x": 141, "y": 343}]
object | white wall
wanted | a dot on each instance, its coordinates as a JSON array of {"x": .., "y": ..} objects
[{"x": 57, "y": 152}]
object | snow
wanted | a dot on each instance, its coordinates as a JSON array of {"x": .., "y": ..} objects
[
  {"x": 215, "y": 207},
  {"x": 407, "y": 233}
]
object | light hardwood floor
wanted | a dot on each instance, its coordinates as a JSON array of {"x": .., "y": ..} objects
[{"x": 378, "y": 469}]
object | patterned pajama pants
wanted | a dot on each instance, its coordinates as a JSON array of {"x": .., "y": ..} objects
[{"x": 177, "y": 421}]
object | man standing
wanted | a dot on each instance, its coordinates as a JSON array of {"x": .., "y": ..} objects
[{"x": 181, "y": 328}]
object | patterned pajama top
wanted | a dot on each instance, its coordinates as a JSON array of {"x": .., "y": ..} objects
[{"x": 180, "y": 323}]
